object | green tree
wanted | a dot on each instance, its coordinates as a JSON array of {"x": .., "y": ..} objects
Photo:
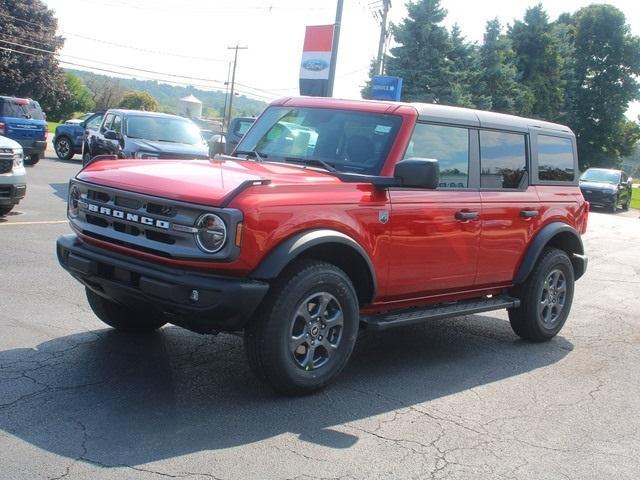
[
  {"x": 139, "y": 101},
  {"x": 421, "y": 54},
  {"x": 539, "y": 63},
  {"x": 497, "y": 87},
  {"x": 26, "y": 72},
  {"x": 77, "y": 100},
  {"x": 463, "y": 68},
  {"x": 607, "y": 64}
]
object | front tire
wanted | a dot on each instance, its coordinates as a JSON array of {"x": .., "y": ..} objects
[
  {"x": 63, "y": 148},
  {"x": 32, "y": 159},
  {"x": 5, "y": 210},
  {"x": 307, "y": 329},
  {"x": 545, "y": 298},
  {"x": 122, "y": 318},
  {"x": 86, "y": 155}
]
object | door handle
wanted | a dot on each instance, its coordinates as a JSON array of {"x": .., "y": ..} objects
[
  {"x": 529, "y": 213},
  {"x": 463, "y": 216}
]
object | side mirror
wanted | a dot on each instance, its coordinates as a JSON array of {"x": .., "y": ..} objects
[
  {"x": 111, "y": 135},
  {"x": 216, "y": 145},
  {"x": 418, "y": 173}
]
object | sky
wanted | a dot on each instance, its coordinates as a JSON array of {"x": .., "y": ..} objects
[{"x": 191, "y": 37}]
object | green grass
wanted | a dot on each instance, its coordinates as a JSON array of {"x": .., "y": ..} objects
[
  {"x": 635, "y": 198},
  {"x": 52, "y": 127}
]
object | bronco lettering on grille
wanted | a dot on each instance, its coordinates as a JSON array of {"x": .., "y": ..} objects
[{"x": 130, "y": 217}]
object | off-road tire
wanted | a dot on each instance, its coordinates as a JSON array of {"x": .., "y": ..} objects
[
  {"x": 32, "y": 159},
  {"x": 59, "y": 144},
  {"x": 267, "y": 338},
  {"x": 5, "y": 210},
  {"x": 122, "y": 318},
  {"x": 527, "y": 320}
]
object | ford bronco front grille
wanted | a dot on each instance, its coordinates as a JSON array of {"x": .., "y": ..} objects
[{"x": 146, "y": 223}]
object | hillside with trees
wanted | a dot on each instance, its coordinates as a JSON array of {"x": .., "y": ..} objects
[
  {"x": 581, "y": 70},
  {"x": 108, "y": 92}
]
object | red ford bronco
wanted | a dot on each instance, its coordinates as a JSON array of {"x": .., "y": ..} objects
[{"x": 332, "y": 216}]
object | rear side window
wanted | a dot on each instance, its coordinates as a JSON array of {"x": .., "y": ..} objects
[
  {"x": 448, "y": 145},
  {"x": 503, "y": 159},
  {"x": 555, "y": 159},
  {"x": 242, "y": 127}
]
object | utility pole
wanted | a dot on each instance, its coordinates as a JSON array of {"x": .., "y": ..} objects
[
  {"x": 334, "y": 47},
  {"x": 386, "y": 4},
  {"x": 233, "y": 78},
  {"x": 226, "y": 96}
]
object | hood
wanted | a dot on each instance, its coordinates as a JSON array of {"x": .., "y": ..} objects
[
  {"x": 206, "y": 182},
  {"x": 601, "y": 186},
  {"x": 167, "y": 148}
]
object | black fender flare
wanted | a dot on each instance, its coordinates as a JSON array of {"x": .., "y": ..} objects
[
  {"x": 542, "y": 239},
  {"x": 291, "y": 248}
]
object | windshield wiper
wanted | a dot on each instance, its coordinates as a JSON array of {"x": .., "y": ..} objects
[
  {"x": 311, "y": 162},
  {"x": 252, "y": 153}
]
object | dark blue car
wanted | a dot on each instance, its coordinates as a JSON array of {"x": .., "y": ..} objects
[
  {"x": 22, "y": 120},
  {"x": 70, "y": 136}
]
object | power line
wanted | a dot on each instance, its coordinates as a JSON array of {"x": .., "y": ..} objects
[{"x": 142, "y": 77}]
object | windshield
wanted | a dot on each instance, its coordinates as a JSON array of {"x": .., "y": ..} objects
[
  {"x": 346, "y": 140},
  {"x": 162, "y": 129},
  {"x": 601, "y": 176}
]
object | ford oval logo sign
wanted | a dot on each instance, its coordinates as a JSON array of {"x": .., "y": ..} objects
[{"x": 315, "y": 64}]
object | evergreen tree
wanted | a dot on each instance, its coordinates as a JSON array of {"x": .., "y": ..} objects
[
  {"x": 463, "y": 67},
  {"x": 421, "y": 56},
  {"x": 497, "y": 83},
  {"x": 24, "y": 72},
  {"x": 607, "y": 64},
  {"x": 539, "y": 63}
]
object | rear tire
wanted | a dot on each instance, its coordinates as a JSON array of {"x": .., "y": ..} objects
[
  {"x": 5, "y": 210},
  {"x": 545, "y": 297},
  {"x": 122, "y": 318},
  {"x": 31, "y": 159},
  {"x": 63, "y": 148},
  {"x": 306, "y": 329}
]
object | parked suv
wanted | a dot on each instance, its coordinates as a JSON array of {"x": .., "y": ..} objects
[
  {"x": 70, "y": 136},
  {"x": 608, "y": 188},
  {"x": 13, "y": 178},
  {"x": 22, "y": 120},
  {"x": 334, "y": 216},
  {"x": 145, "y": 135}
]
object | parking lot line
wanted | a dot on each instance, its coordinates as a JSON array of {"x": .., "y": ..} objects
[{"x": 45, "y": 222}]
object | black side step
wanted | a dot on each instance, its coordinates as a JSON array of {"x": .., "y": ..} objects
[{"x": 382, "y": 321}]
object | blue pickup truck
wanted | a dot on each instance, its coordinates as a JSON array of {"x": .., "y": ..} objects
[
  {"x": 69, "y": 138},
  {"x": 22, "y": 120}
]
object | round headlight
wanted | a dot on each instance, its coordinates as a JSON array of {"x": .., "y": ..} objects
[
  {"x": 74, "y": 198},
  {"x": 212, "y": 233}
]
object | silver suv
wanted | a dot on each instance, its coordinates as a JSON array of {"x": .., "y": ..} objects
[{"x": 13, "y": 177}]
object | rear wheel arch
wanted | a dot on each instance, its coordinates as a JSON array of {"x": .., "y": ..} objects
[
  {"x": 554, "y": 235},
  {"x": 329, "y": 246}
]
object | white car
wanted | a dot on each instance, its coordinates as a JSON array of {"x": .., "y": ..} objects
[{"x": 13, "y": 177}]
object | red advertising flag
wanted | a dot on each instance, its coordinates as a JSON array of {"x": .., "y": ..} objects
[{"x": 316, "y": 59}]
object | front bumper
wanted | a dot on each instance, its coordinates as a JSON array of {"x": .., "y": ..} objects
[
  {"x": 33, "y": 147},
  {"x": 12, "y": 194},
  {"x": 221, "y": 303},
  {"x": 599, "y": 198}
]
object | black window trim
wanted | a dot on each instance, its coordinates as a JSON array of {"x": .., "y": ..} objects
[
  {"x": 535, "y": 179},
  {"x": 473, "y": 183},
  {"x": 103, "y": 127},
  {"x": 525, "y": 181}
]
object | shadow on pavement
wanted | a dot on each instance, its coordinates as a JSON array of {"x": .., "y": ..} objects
[
  {"x": 113, "y": 399},
  {"x": 60, "y": 190}
]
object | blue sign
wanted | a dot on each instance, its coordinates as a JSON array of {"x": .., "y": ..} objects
[{"x": 386, "y": 88}]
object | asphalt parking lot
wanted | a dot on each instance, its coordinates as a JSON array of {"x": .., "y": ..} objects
[{"x": 461, "y": 398}]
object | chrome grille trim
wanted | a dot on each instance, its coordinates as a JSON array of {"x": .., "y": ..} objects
[{"x": 101, "y": 213}]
